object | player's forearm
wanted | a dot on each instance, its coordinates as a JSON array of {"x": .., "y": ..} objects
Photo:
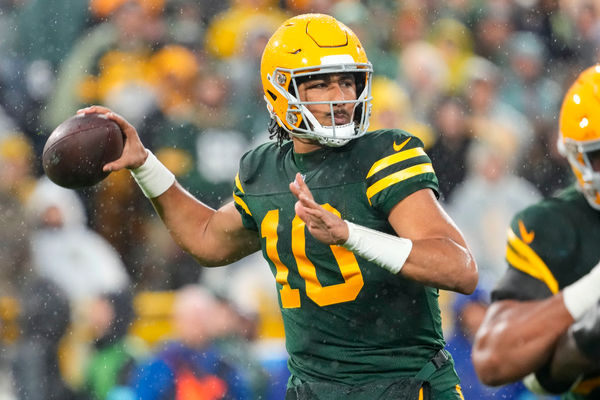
[
  {"x": 437, "y": 262},
  {"x": 185, "y": 218},
  {"x": 213, "y": 237},
  {"x": 517, "y": 338},
  {"x": 567, "y": 365},
  {"x": 442, "y": 263},
  {"x": 192, "y": 225},
  {"x": 578, "y": 349},
  {"x": 576, "y": 354}
]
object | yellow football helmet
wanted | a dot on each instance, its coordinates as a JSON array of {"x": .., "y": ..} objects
[
  {"x": 312, "y": 44},
  {"x": 579, "y": 131}
]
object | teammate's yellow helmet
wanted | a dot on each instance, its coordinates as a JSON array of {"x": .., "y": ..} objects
[
  {"x": 312, "y": 44},
  {"x": 579, "y": 131}
]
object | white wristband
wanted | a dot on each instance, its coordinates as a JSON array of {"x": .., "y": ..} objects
[
  {"x": 153, "y": 177},
  {"x": 388, "y": 251},
  {"x": 531, "y": 382},
  {"x": 582, "y": 294}
]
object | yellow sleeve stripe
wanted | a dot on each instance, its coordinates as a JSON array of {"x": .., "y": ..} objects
[
  {"x": 238, "y": 184},
  {"x": 241, "y": 203},
  {"x": 459, "y": 391},
  {"x": 398, "y": 177},
  {"x": 522, "y": 257},
  {"x": 395, "y": 158}
]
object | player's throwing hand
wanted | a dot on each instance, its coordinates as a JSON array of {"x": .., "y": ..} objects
[
  {"x": 134, "y": 152},
  {"x": 324, "y": 225}
]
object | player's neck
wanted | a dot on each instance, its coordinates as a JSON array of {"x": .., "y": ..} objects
[{"x": 302, "y": 145}]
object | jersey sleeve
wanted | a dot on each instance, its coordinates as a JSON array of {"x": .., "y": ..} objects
[
  {"x": 239, "y": 198},
  {"x": 539, "y": 242},
  {"x": 401, "y": 168}
]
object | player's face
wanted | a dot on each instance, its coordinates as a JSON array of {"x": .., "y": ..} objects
[{"x": 330, "y": 87}]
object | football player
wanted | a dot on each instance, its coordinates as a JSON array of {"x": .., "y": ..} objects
[
  {"x": 544, "y": 322},
  {"x": 348, "y": 222}
]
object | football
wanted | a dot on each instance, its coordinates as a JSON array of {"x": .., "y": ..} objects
[{"x": 78, "y": 148}]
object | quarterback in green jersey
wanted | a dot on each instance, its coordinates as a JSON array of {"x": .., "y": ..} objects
[
  {"x": 348, "y": 222},
  {"x": 544, "y": 322}
]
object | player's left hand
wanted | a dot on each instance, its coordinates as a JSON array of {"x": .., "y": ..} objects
[{"x": 324, "y": 225}]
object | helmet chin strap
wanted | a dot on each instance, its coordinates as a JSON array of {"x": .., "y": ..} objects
[{"x": 329, "y": 140}]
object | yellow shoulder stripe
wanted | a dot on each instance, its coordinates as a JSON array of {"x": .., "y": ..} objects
[
  {"x": 395, "y": 158},
  {"x": 241, "y": 203},
  {"x": 238, "y": 184},
  {"x": 522, "y": 257},
  {"x": 398, "y": 177}
]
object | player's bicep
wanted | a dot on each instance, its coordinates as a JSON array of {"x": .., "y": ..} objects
[{"x": 420, "y": 216}]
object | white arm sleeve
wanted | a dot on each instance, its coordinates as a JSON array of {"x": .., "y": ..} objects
[{"x": 582, "y": 294}]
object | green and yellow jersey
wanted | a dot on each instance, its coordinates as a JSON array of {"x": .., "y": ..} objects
[
  {"x": 550, "y": 245},
  {"x": 346, "y": 319}
]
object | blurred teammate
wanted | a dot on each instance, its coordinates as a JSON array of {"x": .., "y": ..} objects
[
  {"x": 357, "y": 242},
  {"x": 544, "y": 323}
]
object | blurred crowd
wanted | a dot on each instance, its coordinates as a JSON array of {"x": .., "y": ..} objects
[{"x": 97, "y": 302}]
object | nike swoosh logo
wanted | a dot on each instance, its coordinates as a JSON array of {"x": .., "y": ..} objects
[
  {"x": 526, "y": 236},
  {"x": 398, "y": 147}
]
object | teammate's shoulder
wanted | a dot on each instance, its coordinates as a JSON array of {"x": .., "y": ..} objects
[
  {"x": 557, "y": 205},
  {"x": 542, "y": 217},
  {"x": 541, "y": 212},
  {"x": 542, "y": 239}
]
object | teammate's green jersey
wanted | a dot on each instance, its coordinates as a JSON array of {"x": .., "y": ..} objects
[
  {"x": 550, "y": 245},
  {"x": 346, "y": 319}
]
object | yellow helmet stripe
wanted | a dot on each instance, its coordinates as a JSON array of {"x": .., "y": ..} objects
[
  {"x": 395, "y": 158},
  {"x": 525, "y": 259},
  {"x": 398, "y": 177},
  {"x": 238, "y": 184},
  {"x": 241, "y": 203}
]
